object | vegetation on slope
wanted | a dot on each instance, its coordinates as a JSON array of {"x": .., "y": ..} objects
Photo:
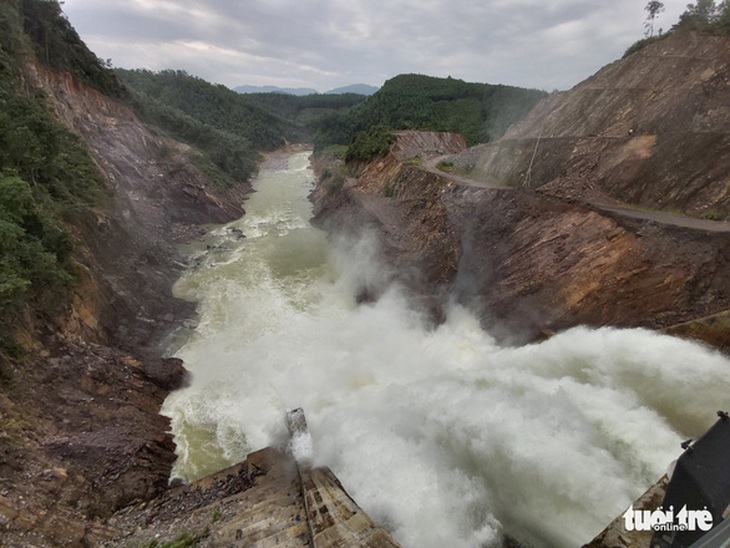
[
  {"x": 479, "y": 112},
  {"x": 704, "y": 16},
  {"x": 46, "y": 176},
  {"x": 230, "y": 127},
  {"x": 57, "y": 44},
  {"x": 322, "y": 119},
  {"x": 370, "y": 144},
  {"x": 225, "y": 127}
]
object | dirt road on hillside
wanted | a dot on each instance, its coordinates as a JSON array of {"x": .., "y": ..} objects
[{"x": 660, "y": 217}]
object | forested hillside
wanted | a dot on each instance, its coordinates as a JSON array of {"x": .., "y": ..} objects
[
  {"x": 46, "y": 175},
  {"x": 323, "y": 118},
  {"x": 225, "y": 126},
  {"x": 222, "y": 122},
  {"x": 92, "y": 206},
  {"x": 479, "y": 112}
]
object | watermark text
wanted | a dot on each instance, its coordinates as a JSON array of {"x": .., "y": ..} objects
[{"x": 668, "y": 520}]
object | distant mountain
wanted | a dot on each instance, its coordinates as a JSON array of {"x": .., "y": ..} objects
[
  {"x": 274, "y": 89},
  {"x": 360, "y": 89}
]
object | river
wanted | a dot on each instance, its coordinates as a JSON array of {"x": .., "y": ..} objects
[{"x": 441, "y": 435}]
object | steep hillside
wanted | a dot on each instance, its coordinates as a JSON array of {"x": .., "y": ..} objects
[
  {"x": 95, "y": 200},
  {"x": 228, "y": 128},
  {"x": 652, "y": 130},
  {"x": 320, "y": 119},
  {"x": 479, "y": 112},
  {"x": 528, "y": 231},
  {"x": 159, "y": 197}
]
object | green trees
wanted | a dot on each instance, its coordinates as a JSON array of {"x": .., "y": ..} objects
[
  {"x": 706, "y": 15},
  {"x": 703, "y": 16},
  {"x": 210, "y": 104},
  {"x": 46, "y": 175},
  {"x": 370, "y": 144},
  {"x": 699, "y": 14},
  {"x": 479, "y": 112},
  {"x": 230, "y": 128},
  {"x": 57, "y": 44},
  {"x": 224, "y": 126},
  {"x": 321, "y": 119},
  {"x": 34, "y": 254},
  {"x": 653, "y": 8}
]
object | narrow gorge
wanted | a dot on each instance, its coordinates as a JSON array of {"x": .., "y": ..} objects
[
  {"x": 497, "y": 345},
  {"x": 424, "y": 423}
]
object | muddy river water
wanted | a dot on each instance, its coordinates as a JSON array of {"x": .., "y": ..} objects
[{"x": 441, "y": 435}]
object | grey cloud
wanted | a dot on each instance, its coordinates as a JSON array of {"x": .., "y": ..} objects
[{"x": 326, "y": 43}]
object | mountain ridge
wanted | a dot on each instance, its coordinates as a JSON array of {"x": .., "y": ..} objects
[{"x": 359, "y": 89}]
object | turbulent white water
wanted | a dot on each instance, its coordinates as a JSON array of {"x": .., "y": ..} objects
[{"x": 441, "y": 435}]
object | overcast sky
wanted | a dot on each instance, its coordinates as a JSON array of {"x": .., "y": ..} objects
[{"x": 323, "y": 44}]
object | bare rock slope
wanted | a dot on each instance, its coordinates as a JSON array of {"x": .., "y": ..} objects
[
  {"x": 80, "y": 430},
  {"x": 540, "y": 231},
  {"x": 652, "y": 130}
]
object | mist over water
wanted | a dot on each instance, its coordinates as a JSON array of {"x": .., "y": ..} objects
[{"x": 441, "y": 435}]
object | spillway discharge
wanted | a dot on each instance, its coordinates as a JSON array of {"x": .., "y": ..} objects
[{"x": 441, "y": 435}]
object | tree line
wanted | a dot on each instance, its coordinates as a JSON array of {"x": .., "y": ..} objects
[
  {"x": 47, "y": 178},
  {"x": 703, "y": 16},
  {"x": 478, "y": 112}
]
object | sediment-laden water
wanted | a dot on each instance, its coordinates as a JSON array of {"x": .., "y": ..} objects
[{"x": 441, "y": 435}]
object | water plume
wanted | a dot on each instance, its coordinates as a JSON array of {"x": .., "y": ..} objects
[{"x": 440, "y": 434}]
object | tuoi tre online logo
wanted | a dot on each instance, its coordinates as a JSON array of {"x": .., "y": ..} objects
[{"x": 667, "y": 520}]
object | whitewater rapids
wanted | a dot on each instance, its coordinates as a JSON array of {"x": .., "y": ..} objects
[{"x": 441, "y": 435}]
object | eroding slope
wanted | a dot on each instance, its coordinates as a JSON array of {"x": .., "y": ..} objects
[{"x": 652, "y": 130}]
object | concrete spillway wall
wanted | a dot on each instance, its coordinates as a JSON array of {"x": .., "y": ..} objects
[{"x": 270, "y": 499}]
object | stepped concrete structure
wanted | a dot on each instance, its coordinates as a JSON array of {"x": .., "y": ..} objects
[{"x": 274, "y": 498}]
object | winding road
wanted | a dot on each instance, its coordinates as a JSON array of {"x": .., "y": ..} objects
[{"x": 660, "y": 217}]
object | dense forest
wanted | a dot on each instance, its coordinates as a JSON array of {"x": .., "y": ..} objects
[
  {"x": 323, "y": 118},
  {"x": 47, "y": 178},
  {"x": 229, "y": 128},
  {"x": 479, "y": 112}
]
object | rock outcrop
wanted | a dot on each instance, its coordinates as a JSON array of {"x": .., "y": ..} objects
[
  {"x": 80, "y": 430},
  {"x": 538, "y": 232},
  {"x": 651, "y": 130}
]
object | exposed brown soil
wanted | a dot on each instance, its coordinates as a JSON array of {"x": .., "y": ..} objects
[
  {"x": 80, "y": 430},
  {"x": 530, "y": 263},
  {"x": 652, "y": 130}
]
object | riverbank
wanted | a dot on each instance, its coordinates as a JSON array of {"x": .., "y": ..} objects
[
  {"x": 422, "y": 423},
  {"x": 81, "y": 434}
]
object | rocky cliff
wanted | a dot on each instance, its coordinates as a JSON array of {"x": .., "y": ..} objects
[
  {"x": 81, "y": 432},
  {"x": 649, "y": 130},
  {"x": 539, "y": 231},
  {"x": 159, "y": 198}
]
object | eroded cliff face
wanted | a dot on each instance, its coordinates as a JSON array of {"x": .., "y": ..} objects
[
  {"x": 530, "y": 263},
  {"x": 81, "y": 432},
  {"x": 651, "y": 130},
  {"x": 159, "y": 200}
]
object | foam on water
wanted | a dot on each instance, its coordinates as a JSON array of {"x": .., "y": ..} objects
[{"x": 441, "y": 435}]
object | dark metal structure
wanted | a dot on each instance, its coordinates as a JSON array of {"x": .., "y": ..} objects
[{"x": 699, "y": 487}]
